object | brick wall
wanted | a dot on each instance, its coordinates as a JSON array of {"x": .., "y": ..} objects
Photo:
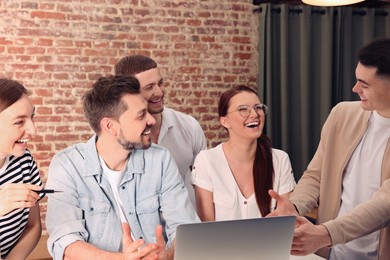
[{"x": 58, "y": 48}]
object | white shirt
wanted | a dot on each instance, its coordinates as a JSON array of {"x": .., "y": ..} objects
[
  {"x": 361, "y": 179},
  {"x": 212, "y": 172},
  {"x": 115, "y": 178},
  {"x": 182, "y": 135}
]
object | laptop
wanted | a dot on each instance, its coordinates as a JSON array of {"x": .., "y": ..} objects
[{"x": 244, "y": 239}]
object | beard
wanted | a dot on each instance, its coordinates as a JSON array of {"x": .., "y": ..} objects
[{"x": 129, "y": 146}]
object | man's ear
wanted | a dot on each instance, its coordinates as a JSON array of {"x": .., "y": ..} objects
[
  {"x": 108, "y": 125},
  {"x": 224, "y": 122}
]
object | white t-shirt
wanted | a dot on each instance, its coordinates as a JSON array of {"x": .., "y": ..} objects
[
  {"x": 361, "y": 179},
  {"x": 212, "y": 172},
  {"x": 115, "y": 178},
  {"x": 183, "y": 136}
]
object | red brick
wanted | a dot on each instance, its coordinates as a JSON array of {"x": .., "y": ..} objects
[
  {"x": 29, "y": 5},
  {"x": 47, "y": 6},
  {"x": 35, "y": 50},
  {"x": 25, "y": 67},
  {"x": 59, "y": 48},
  {"x": 60, "y": 137},
  {"x": 42, "y": 147},
  {"x": 24, "y": 41},
  {"x": 142, "y": 12},
  {"x": 24, "y": 75},
  {"x": 64, "y": 51},
  {"x": 64, "y": 43},
  {"x": 48, "y": 15},
  {"x": 15, "y": 49}
]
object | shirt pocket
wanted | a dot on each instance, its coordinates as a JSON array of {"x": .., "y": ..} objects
[
  {"x": 148, "y": 216},
  {"x": 148, "y": 205},
  {"x": 95, "y": 215},
  {"x": 222, "y": 199}
]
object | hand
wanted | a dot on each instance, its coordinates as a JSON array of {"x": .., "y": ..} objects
[
  {"x": 161, "y": 242},
  {"x": 308, "y": 238},
  {"x": 16, "y": 196},
  {"x": 135, "y": 250},
  {"x": 283, "y": 206}
]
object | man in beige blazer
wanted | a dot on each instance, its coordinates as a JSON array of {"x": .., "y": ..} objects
[{"x": 348, "y": 178}]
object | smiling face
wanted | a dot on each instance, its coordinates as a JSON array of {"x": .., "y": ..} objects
[
  {"x": 16, "y": 127},
  {"x": 373, "y": 90},
  {"x": 246, "y": 127},
  {"x": 152, "y": 88},
  {"x": 135, "y": 124}
]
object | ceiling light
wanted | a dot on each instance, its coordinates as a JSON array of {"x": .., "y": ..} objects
[{"x": 331, "y": 2}]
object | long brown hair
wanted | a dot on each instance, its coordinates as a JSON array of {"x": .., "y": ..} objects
[{"x": 263, "y": 169}]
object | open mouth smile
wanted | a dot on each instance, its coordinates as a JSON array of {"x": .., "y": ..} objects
[
  {"x": 147, "y": 132},
  {"x": 22, "y": 141},
  {"x": 252, "y": 124}
]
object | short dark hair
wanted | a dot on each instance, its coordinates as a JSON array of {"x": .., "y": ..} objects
[
  {"x": 10, "y": 92},
  {"x": 377, "y": 54},
  {"x": 105, "y": 98},
  {"x": 134, "y": 64}
]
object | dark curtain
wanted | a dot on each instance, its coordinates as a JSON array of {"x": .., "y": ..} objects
[{"x": 307, "y": 61}]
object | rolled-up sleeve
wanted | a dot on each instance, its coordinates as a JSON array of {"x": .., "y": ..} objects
[
  {"x": 364, "y": 219},
  {"x": 63, "y": 218}
]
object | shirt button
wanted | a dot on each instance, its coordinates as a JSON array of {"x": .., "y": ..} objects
[
  {"x": 123, "y": 187},
  {"x": 92, "y": 209},
  {"x": 245, "y": 202}
]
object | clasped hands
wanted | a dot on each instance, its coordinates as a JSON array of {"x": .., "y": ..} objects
[{"x": 307, "y": 238}]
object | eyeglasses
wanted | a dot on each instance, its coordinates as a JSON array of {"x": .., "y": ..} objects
[{"x": 245, "y": 110}]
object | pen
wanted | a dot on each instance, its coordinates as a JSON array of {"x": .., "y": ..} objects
[{"x": 47, "y": 191}]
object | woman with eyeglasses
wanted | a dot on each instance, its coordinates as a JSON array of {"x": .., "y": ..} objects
[
  {"x": 20, "y": 222},
  {"x": 232, "y": 180}
]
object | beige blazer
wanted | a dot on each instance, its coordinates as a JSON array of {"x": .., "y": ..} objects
[{"x": 321, "y": 183}]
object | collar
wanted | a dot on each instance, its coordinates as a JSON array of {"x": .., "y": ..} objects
[
  {"x": 135, "y": 163},
  {"x": 167, "y": 122}
]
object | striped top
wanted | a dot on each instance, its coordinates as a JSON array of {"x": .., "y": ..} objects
[{"x": 19, "y": 170}]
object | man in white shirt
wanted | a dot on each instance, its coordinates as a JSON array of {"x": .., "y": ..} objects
[{"x": 181, "y": 134}]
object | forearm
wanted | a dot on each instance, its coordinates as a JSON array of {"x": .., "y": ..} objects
[
  {"x": 72, "y": 252},
  {"x": 324, "y": 239},
  {"x": 30, "y": 236},
  {"x": 364, "y": 219},
  {"x": 25, "y": 245}
]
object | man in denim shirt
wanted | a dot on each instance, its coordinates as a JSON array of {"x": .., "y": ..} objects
[{"x": 116, "y": 179}]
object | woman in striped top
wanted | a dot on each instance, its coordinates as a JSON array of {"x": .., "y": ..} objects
[{"x": 20, "y": 225}]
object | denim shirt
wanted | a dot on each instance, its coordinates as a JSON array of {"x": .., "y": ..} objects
[{"x": 152, "y": 192}]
